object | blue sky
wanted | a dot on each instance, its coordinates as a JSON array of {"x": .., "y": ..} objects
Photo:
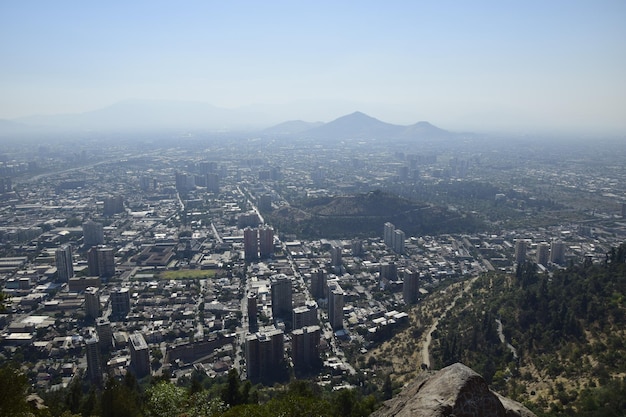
[{"x": 490, "y": 65}]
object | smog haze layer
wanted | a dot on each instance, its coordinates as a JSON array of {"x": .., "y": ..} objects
[{"x": 552, "y": 67}]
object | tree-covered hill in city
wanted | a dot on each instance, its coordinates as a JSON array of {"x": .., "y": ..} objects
[{"x": 365, "y": 214}]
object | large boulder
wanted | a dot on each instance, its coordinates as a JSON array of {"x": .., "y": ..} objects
[{"x": 455, "y": 391}]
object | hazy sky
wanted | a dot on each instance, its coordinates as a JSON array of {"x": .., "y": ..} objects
[{"x": 528, "y": 65}]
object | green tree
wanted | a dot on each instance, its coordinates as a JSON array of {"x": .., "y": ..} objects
[
  {"x": 74, "y": 395},
  {"x": 165, "y": 400},
  {"x": 201, "y": 405},
  {"x": 13, "y": 388},
  {"x": 118, "y": 400},
  {"x": 91, "y": 404},
  {"x": 230, "y": 394}
]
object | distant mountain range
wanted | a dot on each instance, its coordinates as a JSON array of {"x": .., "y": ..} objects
[
  {"x": 151, "y": 115},
  {"x": 154, "y": 115},
  {"x": 361, "y": 126},
  {"x": 291, "y": 127}
]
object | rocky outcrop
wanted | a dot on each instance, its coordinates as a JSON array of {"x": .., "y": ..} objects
[{"x": 453, "y": 391}]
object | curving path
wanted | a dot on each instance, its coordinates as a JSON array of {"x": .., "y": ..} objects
[
  {"x": 503, "y": 339},
  {"x": 433, "y": 327}
]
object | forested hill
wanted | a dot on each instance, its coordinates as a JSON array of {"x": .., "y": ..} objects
[
  {"x": 564, "y": 349},
  {"x": 365, "y": 214}
]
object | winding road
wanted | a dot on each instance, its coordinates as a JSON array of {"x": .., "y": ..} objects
[{"x": 433, "y": 327}]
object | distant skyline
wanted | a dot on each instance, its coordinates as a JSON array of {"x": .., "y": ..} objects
[{"x": 531, "y": 66}]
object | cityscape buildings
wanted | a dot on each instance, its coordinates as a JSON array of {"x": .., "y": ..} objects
[
  {"x": 252, "y": 312},
  {"x": 139, "y": 355},
  {"x": 120, "y": 302},
  {"x": 305, "y": 343},
  {"x": 101, "y": 261},
  {"x": 543, "y": 254},
  {"x": 388, "y": 234},
  {"x": 520, "y": 251},
  {"x": 305, "y": 315},
  {"x": 64, "y": 263},
  {"x": 105, "y": 334},
  {"x": 264, "y": 354},
  {"x": 266, "y": 241},
  {"x": 557, "y": 252},
  {"x": 318, "y": 284},
  {"x": 335, "y": 305},
  {"x": 410, "y": 287},
  {"x": 336, "y": 256},
  {"x": 398, "y": 241},
  {"x": 93, "y": 233},
  {"x": 113, "y": 205},
  {"x": 92, "y": 302},
  {"x": 94, "y": 364},
  {"x": 172, "y": 268},
  {"x": 251, "y": 243},
  {"x": 281, "y": 292}
]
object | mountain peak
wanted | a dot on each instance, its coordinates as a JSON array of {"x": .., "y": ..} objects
[{"x": 355, "y": 125}]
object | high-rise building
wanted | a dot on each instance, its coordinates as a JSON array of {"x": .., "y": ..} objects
[
  {"x": 64, "y": 263},
  {"x": 318, "y": 284},
  {"x": 139, "y": 355},
  {"x": 250, "y": 244},
  {"x": 305, "y": 351},
  {"x": 5, "y": 185},
  {"x": 543, "y": 253},
  {"x": 557, "y": 252},
  {"x": 335, "y": 305},
  {"x": 120, "y": 302},
  {"x": 520, "y": 250},
  {"x": 357, "y": 247},
  {"x": 213, "y": 182},
  {"x": 388, "y": 234},
  {"x": 146, "y": 182},
  {"x": 388, "y": 271},
  {"x": 92, "y": 262},
  {"x": 207, "y": 166},
  {"x": 106, "y": 261},
  {"x": 101, "y": 261},
  {"x": 105, "y": 334},
  {"x": 403, "y": 173},
  {"x": 249, "y": 219},
  {"x": 94, "y": 363},
  {"x": 93, "y": 233},
  {"x": 410, "y": 287},
  {"x": 113, "y": 205},
  {"x": 266, "y": 241},
  {"x": 92, "y": 302},
  {"x": 398, "y": 241},
  {"x": 281, "y": 297},
  {"x": 184, "y": 182},
  {"x": 252, "y": 311},
  {"x": 264, "y": 354},
  {"x": 305, "y": 315},
  {"x": 265, "y": 202},
  {"x": 335, "y": 255}
]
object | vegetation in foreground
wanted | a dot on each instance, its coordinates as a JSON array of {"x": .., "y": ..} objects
[{"x": 197, "y": 397}]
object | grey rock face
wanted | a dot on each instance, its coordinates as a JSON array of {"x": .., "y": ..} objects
[{"x": 453, "y": 391}]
